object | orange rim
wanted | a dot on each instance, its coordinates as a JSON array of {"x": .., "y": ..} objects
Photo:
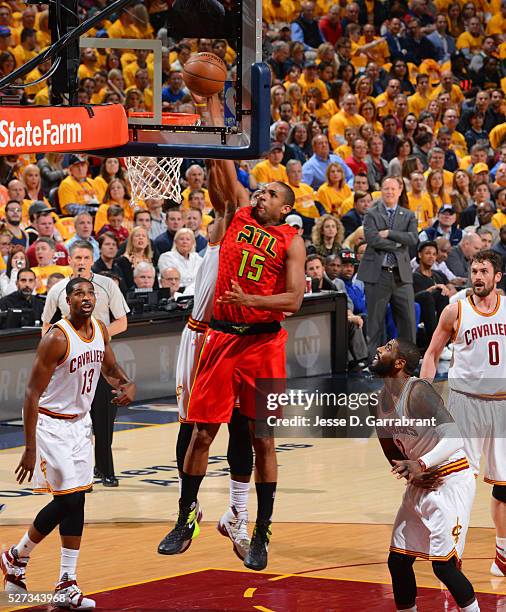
[{"x": 168, "y": 118}]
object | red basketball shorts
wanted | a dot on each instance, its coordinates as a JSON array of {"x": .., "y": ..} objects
[{"x": 230, "y": 367}]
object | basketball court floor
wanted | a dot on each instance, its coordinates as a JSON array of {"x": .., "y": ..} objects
[{"x": 335, "y": 504}]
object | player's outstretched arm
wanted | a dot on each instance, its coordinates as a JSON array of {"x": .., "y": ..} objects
[
  {"x": 291, "y": 299},
  {"x": 440, "y": 338},
  {"x": 51, "y": 350},
  {"x": 114, "y": 373}
]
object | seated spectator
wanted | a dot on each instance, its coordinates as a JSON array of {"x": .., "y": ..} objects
[
  {"x": 193, "y": 221},
  {"x": 390, "y": 138},
  {"x": 5, "y": 247},
  {"x": 271, "y": 169},
  {"x": 432, "y": 289},
  {"x": 306, "y": 204},
  {"x": 299, "y": 141},
  {"x": 108, "y": 244},
  {"x": 182, "y": 256},
  {"x": 77, "y": 188},
  {"x": 461, "y": 196},
  {"x": 313, "y": 171},
  {"x": 17, "y": 261},
  {"x": 195, "y": 178},
  {"x": 333, "y": 270},
  {"x": 52, "y": 279},
  {"x": 13, "y": 216},
  {"x": 443, "y": 250},
  {"x": 476, "y": 134},
  {"x": 174, "y": 93},
  {"x": 116, "y": 194},
  {"x": 487, "y": 238},
  {"x": 52, "y": 171},
  {"x": 360, "y": 183},
  {"x": 196, "y": 199},
  {"x": 335, "y": 190},
  {"x": 346, "y": 117},
  {"x": 484, "y": 214},
  {"x": 420, "y": 201},
  {"x": 144, "y": 276},
  {"x": 315, "y": 270},
  {"x": 356, "y": 161},
  {"x": 158, "y": 226},
  {"x": 170, "y": 278},
  {"x": 305, "y": 28},
  {"x": 354, "y": 218},
  {"x": 33, "y": 184},
  {"x": 110, "y": 168},
  {"x": 327, "y": 236},
  {"x": 23, "y": 296},
  {"x": 115, "y": 218},
  {"x": 460, "y": 256},
  {"x": 481, "y": 194},
  {"x": 445, "y": 226},
  {"x": 353, "y": 287},
  {"x": 45, "y": 253},
  {"x": 377, "y": 167},
  {"x": 138, "y": 249},
  {"x": 43, "y": 222},
  {"x": 174, "y": 222},
  {"x": 83, "y": 222}
]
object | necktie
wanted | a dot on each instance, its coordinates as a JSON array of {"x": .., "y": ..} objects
[{"x": 390, "y": 259}]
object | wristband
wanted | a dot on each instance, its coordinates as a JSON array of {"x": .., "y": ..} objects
[{"x": 422, "y": 465}]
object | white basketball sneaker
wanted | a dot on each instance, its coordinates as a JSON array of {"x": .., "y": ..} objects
[
  {"x": 69, "y": 595},
  {"x": 13, "y": 569},
  {"x": 234, "y": 525}
]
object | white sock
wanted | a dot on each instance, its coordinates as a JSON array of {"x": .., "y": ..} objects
[
  {"x": 501, "y": 544},
  {"x": 68, "y": 563},
  {"x": 239, "y": 494},
  {"x": 474, "y": 607},
  {"x": 25, "y": 547}
]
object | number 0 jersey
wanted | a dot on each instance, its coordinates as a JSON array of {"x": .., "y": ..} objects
[
  {"x": 72, "y": 386},
  {"x": 479, "y": 350},
  {"x": 255, "y": 257}
]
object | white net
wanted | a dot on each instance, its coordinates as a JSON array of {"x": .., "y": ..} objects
[{"x": 154, "y": 178}]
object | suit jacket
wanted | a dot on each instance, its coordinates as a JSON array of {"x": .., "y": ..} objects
[
  {"x": 402, "y": 236},
  {"x": 351, "y": 221},
  {"x": 457, "y": 263}
]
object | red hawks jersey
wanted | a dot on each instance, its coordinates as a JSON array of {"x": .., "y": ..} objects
[{"x": 255, "y": 257}]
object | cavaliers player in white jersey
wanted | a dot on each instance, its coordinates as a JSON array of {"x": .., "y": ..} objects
[
  {"x": 423, "y": 444},
  {"x": 226, "y": 194},
  {"x": 477, "y": 382},
  {"x": 58, "y": 437}
]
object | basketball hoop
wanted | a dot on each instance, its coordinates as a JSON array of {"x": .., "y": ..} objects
[{"x": 157, "y": 178}]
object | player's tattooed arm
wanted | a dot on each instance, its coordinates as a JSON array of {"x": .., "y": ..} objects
[
  {"x": 51, "y": 350},
  {"x": 440, "y": 338},
  {"x": 291, "y": 299},
  {"x": 124, "y": 388}
]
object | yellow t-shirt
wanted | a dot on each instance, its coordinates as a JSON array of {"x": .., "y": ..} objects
[
  {"x": 83, "y": 72},
  {"x": 422, "y": 207},
  {"x": 343, "y": 151},
  {"x": 496, "y": 26},
  {"x": 318, "y": 83},
  {"x": 304, "y": 201},
  {"x": 468, "y": 41},
  {"x": 499, "y": 219},
  {"x": 265, "y": 172},
  {"x": 118, "y": 30},
  {"x": 35, "y": 74},
  {"x": 497, "y": 134},
  {"x": 418, "y": 103},
  {"x": 358, "y": 58},
  {"x": 456, "y": 95},
  {"x": 147, "y": 94},
  {"x": 459, "y": 144},
  {"x": 332, "y": 198},
  {"x": 42, "y": 97},
  {"x": 339, "y": 123},
  {"x": 380, "y": 52},
  {"x": 131, "y": 69},
  {"x": 72, "y": 191},
  {"x": 43, "y": 273},
  {"x": 285, "y": 13},
  {"x": 447, "y": 179},
  {"x": 21, "y": 55},
  {"x": 384, "y": 104}
]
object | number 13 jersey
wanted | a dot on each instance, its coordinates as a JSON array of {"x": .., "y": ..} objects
[
  {"x": 255, "y": 257},
  {"x": 72, "y": 386},
  {"x": 479, "y": 350}
]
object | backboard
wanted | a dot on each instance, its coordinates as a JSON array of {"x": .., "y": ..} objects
[{"x": 243, "y": 129}]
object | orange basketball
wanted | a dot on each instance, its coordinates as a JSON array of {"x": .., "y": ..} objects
[{"x": 204, "y": 74}]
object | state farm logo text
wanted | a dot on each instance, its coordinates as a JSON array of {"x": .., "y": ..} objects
[{"x": 42, "y": 134}]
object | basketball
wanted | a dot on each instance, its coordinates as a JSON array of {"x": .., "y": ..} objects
[{"x": 204, "y": 74}]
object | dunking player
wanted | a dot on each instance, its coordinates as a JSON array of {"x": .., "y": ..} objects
[
  {"x": 58, "y": 439},
  {"x": 477, "y": 397},
  {"x": 260, "y": 276},
  {"x": 224, "y": 193},
  {"x": 433, "y": 519}
]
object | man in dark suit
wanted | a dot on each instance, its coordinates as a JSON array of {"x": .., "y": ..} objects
[
  {"x": 354, "y": 218},
  {"x": 389, "y": 230}
]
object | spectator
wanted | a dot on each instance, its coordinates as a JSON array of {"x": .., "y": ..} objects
[
  {"x": 353, "y": 287},
  {"x": 315, "y": 270},
  {"x": 174, "y": 222},
  {"x": 115, "y": 219},
  {"x": 43, "y": 224},
  {"x": 357, "y": 160},
  {"x": 170, "y": 278},
  {"x": 52, "y": 172},
  {"x": 432, "y": 290},
  {"x": 346, "y": 117},
  {"x": 5, "y": 247},
  {"x": 471, "y": 41},
  {"x": 487, "y": 238},
  {"x": 193, "y": 221},
  {"x": 83, "y": 223},
  {"x": 330, "y": 25},
  {"x": 54, "y": 278},
  {"x": 158, "y": 224},
  {"x": 461, "y": 196},
  {"x": 116, "y": 194},
  {"x": 389, "y": 232},
  {"x": 335, "y": 190},
  {"x": 298, "y": 140},
  {"x": 77, "y": 188},
  {"x": 108, "y": 244},
  {"x": 195, "y": 178},
  {"x": 484, "y": 214},
  {"x": 481, "y": 194},
  {"x": 13, "y": 215},
  {"x": 45, "y": 254},
  {"x": 476, "y": 134},
  {"x": 460, "y": 256},
  {"x": 444, "y": 227},
  {"x": 110, "y": 168},
  {"x": 443, "y": 43},
  {"x": 174, "y": 93},
  {"x": 271, "y": 169},
  {"x": 403, "y": 151},
  {"x": 377, "y": 166},
  {"x": 23, "y": 297},
  {"x": 33, "y": 184},
  {"x": 327, "y": 236},
  {"x": 138, "y": 249},
  {"x": 420, "y": 201},
  {"x": 500, "y": 247},
  {"x": 305, "y": 200},
  {"x": 354, "y": 218},
  {"x": 144, "y": 275},
  {"x": 333, "y": 270},
  {"x": 305, "y": 28},
  {"x": 278, "y": 60},
  {"x": 314, "y": 170},
  {"x": 499, "y": 219},
  {"x": 183, "y": 257},
  {"x": 8, "y": 277},
  {"x": 390, "y": 138}
]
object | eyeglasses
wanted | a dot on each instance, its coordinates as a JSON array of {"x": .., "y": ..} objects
[{"x": 172, "y": 278}]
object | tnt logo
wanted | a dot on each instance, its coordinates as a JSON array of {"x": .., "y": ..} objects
[{"x": 307, "y": 343}]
